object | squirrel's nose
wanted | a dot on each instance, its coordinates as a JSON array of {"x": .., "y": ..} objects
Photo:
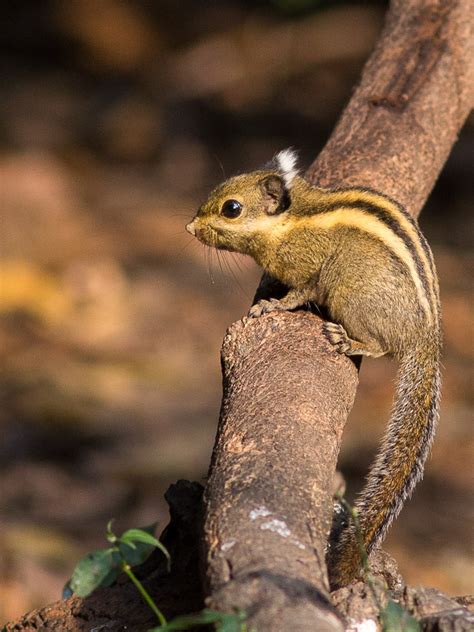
[{"x": 191, "y": 228}]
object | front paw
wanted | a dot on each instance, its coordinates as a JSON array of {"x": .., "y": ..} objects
[
  {"x": 337, "y": 336},
  {"x": 265, "y": 307}
]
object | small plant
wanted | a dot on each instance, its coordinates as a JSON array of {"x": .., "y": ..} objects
[
  {"x": 224, "y": 622},
  {"x": 393, "y": 617},
  {"x": 101, "y": 568}
]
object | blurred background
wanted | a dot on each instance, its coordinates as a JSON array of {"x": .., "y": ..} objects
[{"x": 117, "y": 117}]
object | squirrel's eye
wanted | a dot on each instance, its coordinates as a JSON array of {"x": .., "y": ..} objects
[{"x": 231, "y": 209}]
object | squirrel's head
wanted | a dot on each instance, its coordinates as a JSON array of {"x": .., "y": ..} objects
[{"x": 241, "y": 208}]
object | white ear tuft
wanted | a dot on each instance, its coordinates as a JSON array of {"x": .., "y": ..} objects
[{"x": 285, "y": 162}]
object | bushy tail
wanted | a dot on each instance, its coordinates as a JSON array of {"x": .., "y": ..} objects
[{"x": 401, "y": 458}]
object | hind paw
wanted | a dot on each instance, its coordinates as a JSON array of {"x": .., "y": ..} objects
[{"x": 337, "y": 336}]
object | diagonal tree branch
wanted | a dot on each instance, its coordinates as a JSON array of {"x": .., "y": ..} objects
[
  {"x": 416, "y": 91},
  {"x": 286, "y": 394}
]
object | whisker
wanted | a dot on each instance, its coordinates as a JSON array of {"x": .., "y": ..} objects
[
  {"x": 186, "y": 245},
  {"x": 216, "y": 158},
  {"x": 209, "y": 268},
  {"x": 180, "y": 233},
  {"x": 314, "y": 307},
  {"x": 219, "y": 260},
  {"x": 234, "y": 276},
  {"x": 226, "y": 262},
  {"x": 235, "y": 259}
]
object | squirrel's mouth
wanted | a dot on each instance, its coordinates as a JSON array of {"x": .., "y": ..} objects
[
  {"x": 191, "y": 228},
  {"x": 205, "y": 233}
]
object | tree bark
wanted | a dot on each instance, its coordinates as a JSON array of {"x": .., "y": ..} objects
[
  {"x": 416, "y": 91},
  {"x": 268, "y": 499},
  {"x": 286, "y": 394}
]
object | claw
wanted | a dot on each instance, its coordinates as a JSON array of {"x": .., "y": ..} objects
[
  {"x": 337, "y": 336},
  {"x": 265, "y": 307}
]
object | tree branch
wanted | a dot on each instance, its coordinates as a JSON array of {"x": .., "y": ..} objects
[
  {"x": 286, "y": 393},
  {"x": 415, "y": 93}
]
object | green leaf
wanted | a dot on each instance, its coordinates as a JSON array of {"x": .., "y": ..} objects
[
  {"x": 395, "y": 618},
  {"x": 93, "y": 570},
  {"x": 150, "y": 528},
  {"x": 111, "y": 577},
  {"x": 138, "y": 535},
  {"x": 230, "y": 623},
  {"x": 233, "y": 622},
  {"x": 164, "y": 550},
  {"x": 146, "y": 543},
  {"x": 67, "y": 591},
  {"x": 136, "y": 555},
  {"x": 225, "y": 622},
  {"x": 111, "y": 537}
]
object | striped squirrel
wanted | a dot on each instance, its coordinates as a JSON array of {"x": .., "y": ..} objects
[{"x": 360, "y": 255}]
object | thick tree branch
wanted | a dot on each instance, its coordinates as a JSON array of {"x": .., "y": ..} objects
[
  {"x": 416, "y": 91},
  {"x": 269, "y": 494},
  {"x": 286, "y": 395}
]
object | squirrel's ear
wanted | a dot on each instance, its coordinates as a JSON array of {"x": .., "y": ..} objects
[{"x": 276, "y": 197}]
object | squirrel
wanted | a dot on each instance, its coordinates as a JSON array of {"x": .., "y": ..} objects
[{"x": 358, "y": 254}]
